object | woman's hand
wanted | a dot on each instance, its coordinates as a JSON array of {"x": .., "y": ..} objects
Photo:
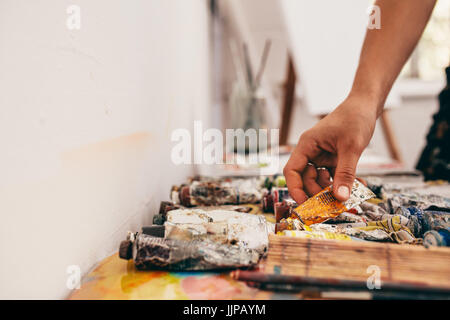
[{"x": 335, "y": 143}]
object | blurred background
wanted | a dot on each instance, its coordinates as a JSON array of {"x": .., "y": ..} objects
[{"x": 91, "y": 91}]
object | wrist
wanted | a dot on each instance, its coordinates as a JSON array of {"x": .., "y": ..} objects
[
  {"x": 358, "y": 108},
  {"x": 368, "y": 101}
]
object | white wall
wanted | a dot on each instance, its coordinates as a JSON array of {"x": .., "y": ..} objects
[{"x": 85, "y": 123}]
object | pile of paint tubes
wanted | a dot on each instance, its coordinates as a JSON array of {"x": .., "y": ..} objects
[
  {"x": 368, "y": 215},
  {"x": 322, "y": 216},
  {"x": 202, "y": 238},
  {"x": 207, "y": 225},
  {"x": 275, "y": 192},
  {"x": 431, "y": 225}
]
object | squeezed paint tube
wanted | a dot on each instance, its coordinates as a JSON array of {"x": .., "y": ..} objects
[
  {"x": 406, "y": 198},
  {"x": 422, "y": 221},
  {"x": 290, "y": 224},
  {"x": 176, "y": 255},
  {"x": 222, "y": 226},
  {"x": 347, "y": 217},
  {"x": 267, "y": 203},
  {"x": 415, "y": 216},
  {"x": 216, "y": 232},
  {"x": 284, "y": 209},
  {"x": 324, "y": 205},
  {"x": 164, "y": 207},
  {"x": 352, "y": 230},
  {"x": 323, "y": 235},
  {"x": 216, "y": 193},
  {"x": 373, "y": 211},
  {"x": 275, "y": 195},
  {"x": 436, "y": 220},
  {"x": 439, "y": 238},
  {"x": 395, "y": 227}
]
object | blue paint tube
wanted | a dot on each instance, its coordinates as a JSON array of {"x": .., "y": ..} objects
[{"x": 440, "y": 238}]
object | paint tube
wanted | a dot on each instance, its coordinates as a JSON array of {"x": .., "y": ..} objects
[
  {"x": 164, "y": 207},
  {"x": 274, "y": 196},
  {"x": 347, "y": 217},
  {"x": 267, "y": 202},
  {"x": 436, "y": 220},
  {"x": 439, "y": 238},
  {"x": 151, "y": 253},
  {"x": 373, "y": 211},
  {"x": 284, "y": 209},
  {"x": 353, "y": 230},
  {"x": 406, "y": 198},
  {"x": 415, "y": 216},
  {"x": 290, "y": 224},
  {"x": 395, "y": 227},
  {"x": 396, "y": 223},
  {"x": 322, "y": 235},
  {"x": 278, "y": 181},
  {"x": 371, "y": 235},
  {"x": 421, "y": 221},
  {"x": 219, "y": 192},
  {"x": 222, "y": 226},
  {"x": 324, "y": 205},
  {"x": 216, "y": 232}
]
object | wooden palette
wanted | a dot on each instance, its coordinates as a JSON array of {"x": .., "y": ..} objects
[{"x": 345, "y": 264}]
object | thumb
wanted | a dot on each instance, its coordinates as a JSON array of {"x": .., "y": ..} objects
[{"x": 345, "y": 174}]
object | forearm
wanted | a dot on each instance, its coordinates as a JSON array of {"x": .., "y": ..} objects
[{"x": 386, "y": 50}]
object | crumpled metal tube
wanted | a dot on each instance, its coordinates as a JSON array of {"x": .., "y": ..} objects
[{"x": 176, "y": 255}]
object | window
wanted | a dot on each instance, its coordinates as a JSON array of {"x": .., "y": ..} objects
[{"x": 432, "y": 54}]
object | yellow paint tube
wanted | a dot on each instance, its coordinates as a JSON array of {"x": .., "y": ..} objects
[
  {"x": 324, "y": 205},
  {"x": 323, "y": 235}
]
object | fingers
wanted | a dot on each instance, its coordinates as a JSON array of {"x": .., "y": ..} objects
[
  {"x": 295, "y": 186},
  {"x": 310, "y": 182},
  {"x": 292, "y": 173},
  {"x": 345, "y": 174},
  {"x": 364, "y": 182},
  {"x": 313, "y": 180},
  {"x": 323, "y": 177}
]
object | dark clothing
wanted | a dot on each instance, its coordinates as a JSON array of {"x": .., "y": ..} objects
[{"x": 435, "y": 159}]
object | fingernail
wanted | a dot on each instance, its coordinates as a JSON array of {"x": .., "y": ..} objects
[{"x": 343, "y": 192}]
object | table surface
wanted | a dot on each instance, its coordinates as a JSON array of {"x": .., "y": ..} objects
[{"x": 115, "y": 278}]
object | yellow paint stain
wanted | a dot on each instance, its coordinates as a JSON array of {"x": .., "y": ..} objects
[
  {"x": 103, "y": 150},
  {"x": 115, "y": 278}
]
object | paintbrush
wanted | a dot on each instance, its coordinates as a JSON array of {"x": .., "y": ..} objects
[
  {"x": 248, "y": 66},
  {"x": 263, "y": 62}
]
